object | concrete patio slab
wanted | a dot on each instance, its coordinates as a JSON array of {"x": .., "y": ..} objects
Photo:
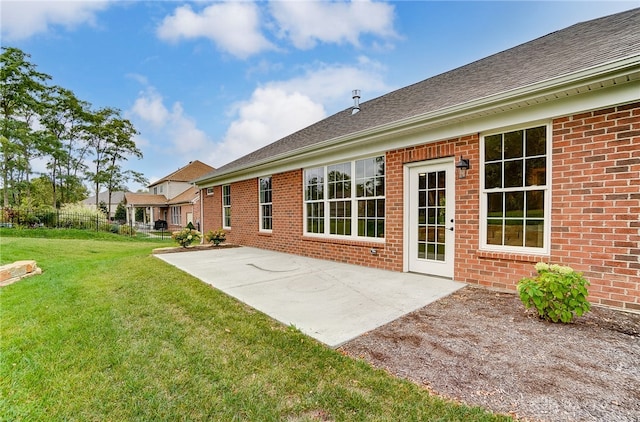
[{"x": 329, "y": 301}]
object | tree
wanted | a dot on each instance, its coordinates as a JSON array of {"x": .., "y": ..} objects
[
  {"x": 66, "y": 119},
  {"x": 102, "y": 206},
  {"x": 41, "y": 193},
  {"x": 50, "y": 121},
  {"x": 121, "y": 212},
  {"x": 21, "y": 89},
  {"x": 111, "y": 140},
  {"x": 140, "y": 214}
]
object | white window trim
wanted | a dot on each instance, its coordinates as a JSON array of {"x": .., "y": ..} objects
[
  {"x": 260, "y": 204},
  {"x": 209, "y": 191},
  {"x": 176, "y": 214},
  {"x": 354, "y": 204},
  {"x": 224, "y": 225},
  {"x": 522, "y": 250}
]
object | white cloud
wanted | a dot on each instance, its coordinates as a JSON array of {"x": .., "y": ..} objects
[
  {"x": 280, "y": 108},
  {"x": 332, "y": 84},
  {"x": 22, "y": 19},
  {"x": 270, "y": 114},
  {"x": 233, "y": 26},
  {"x": 306, "y": 23},
  {"x": 149, "y": 107},
  {"x": 183, "y": 140},
  {"x": 273, "y": 111}
]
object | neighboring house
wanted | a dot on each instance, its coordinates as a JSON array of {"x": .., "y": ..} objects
[
  {"x": 116, "y": 198},
  {"x": 549, "y": 131},
  {"x": 172, "y": 199}
]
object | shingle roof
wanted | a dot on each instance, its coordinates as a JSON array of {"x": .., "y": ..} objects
[
  {"x": 141, "y": 199},
  {"x": 187, "y": 173},
  {"x": 560, "y": 53},
  {"x": 116, "y": 198},
  {"x": 185, "y": 197}
]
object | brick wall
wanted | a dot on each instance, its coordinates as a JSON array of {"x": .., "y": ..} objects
[
  {"x": 287, "y": 234},
  {"x": 595, "y": 211},
  {"x": 211, "y": 209},
  {"x": 596, "y": 204}
]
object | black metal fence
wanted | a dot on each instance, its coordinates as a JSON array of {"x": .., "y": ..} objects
[
  {"x": 60, "y": 219},
  {"x": 54, "y": 219}
]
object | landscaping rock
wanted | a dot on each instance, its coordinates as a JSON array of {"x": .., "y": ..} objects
[{"x": 10, "y": 273}]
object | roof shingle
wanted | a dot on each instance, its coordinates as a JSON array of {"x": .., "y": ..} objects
[
  {"x": 560, "y": 53},
  {"x": 187, "y": 173}
]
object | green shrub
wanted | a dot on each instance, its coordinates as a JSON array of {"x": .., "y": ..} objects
[
  {"x": 186, "y": 237},
  {"x": 215, "y": 236},
  {"x": 557, "y": 292},
  {"x": 126, "y": 230},
  {"x": 76, "y": 216}
]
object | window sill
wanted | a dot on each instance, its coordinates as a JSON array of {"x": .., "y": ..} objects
[
  {"x": 342, "y": 241},
  {"x": 512, "y": 256}
]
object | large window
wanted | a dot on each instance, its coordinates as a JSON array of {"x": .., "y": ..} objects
[
  {"x": 346, "y": 199},
  {"x": 266, "y": 203},
  {"x": 226, "y": 206},
  {"x": 516, "y": 190},
  {"x": 176, "y": 215}
]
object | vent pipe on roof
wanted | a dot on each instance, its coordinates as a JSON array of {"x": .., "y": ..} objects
[{"x": 356, "y": 101}]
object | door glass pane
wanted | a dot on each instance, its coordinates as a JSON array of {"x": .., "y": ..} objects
[
  {"x": 422, "y": 216},
  {"x": 431, "y": 215},
  {"x": 422, "y": 250}
]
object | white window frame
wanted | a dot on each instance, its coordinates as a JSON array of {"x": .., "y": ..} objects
[
  {"x": 176, "y": 215},
  {"x": 209, "y": 191},
  {"x": 354, "y": 200},
  {"x": 226, "y": 207},
  {"x": 261, "y": 204},
  {"x": 522, "y": 250}
]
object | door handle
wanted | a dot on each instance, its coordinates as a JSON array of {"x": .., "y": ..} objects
[{"x": 450, "y": 228}]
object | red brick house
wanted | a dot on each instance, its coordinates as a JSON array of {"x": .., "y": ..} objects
[
  {"x": 173, "y": 198},
  {"x": 549, "y": 131}
]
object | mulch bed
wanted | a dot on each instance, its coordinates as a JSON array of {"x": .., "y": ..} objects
[{"x": 482, "y": 347}]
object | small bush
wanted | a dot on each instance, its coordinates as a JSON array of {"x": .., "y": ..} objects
[
  {"x": 186, "y": 237},
  {"x": 126, "y": 230},
  {"x": 215, "y": 236},
  {"x": 557, "y": 292}
]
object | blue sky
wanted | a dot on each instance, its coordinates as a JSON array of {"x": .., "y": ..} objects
[{"x": 215, "y": 80}]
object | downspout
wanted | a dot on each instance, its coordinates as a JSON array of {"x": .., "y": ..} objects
[{"x": 201, "y": 212}]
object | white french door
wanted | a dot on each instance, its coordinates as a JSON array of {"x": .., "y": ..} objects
[{"x": 431, "y": 210}]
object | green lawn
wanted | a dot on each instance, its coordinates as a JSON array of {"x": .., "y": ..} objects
[{"x": 108, "y": 332}]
